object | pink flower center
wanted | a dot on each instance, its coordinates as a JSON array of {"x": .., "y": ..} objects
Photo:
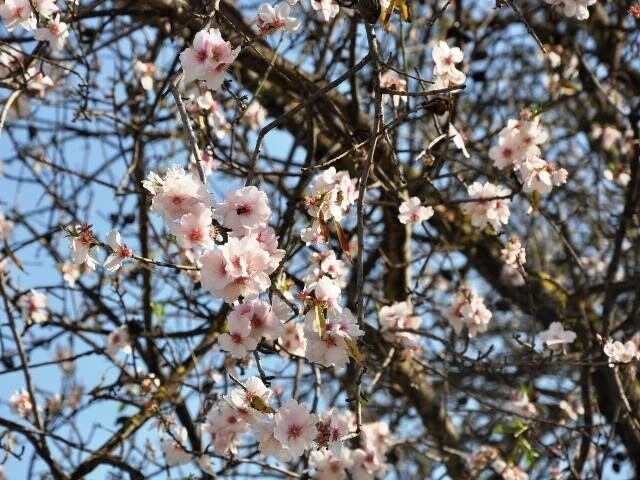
[
  {"x": 243, "y": 210},
  {"x": 125, "y": 252},
  {"x": 294, "y": 431},
  {"x": 256, "y": 321},
  {"x": 196, "y": 235},
  {"x": 236, "y": 338}
]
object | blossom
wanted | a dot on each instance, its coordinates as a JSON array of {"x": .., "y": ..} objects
[
  {"x": 145, "y": 72},
  {"x": 329, "y": 466},
  {"x": 514, "y": 253},
  {"x": 332, "y": 193},
  {"x": 293, "y": 340},
  {"x": 240, "y": 267},
  {"x": 254, "y": 395},
  {"x": 56, "y": 33},
  {"x": 393, "y": 81},
  {"x": 328, "y": 350},
  {"x": 254, "y": 115},
  {"x": 194, "y": 228},
  {"x": 215, "y": 115},
  {"x": 573, "y": 8},
  {"x": 412, "y": 211},
  {"x": 268, "y": 444},
  {"x": 70, "y": 273},
  {"x": 332, "y": 426},
  {"x": 518, "y": 142},
  {"x": 367, "y": 464},
  {"x": 294, "y": 427},
  {"x": 399, "y": 317},
  {"x": 173, "y": 448},
  {"x": 20, "y": 402},
  {"x": 208, "y": 59},
  {"x": 487, "y": 206},
  {"x": 176, "y": 194},
  {"x": 326, "y": 263},
  {"x": 469, "y": 309},
  {"x": 244, "y": 210},
  {"x": 327, "y": 293},
  {"x": 541, "y": 176},
  {"x": 119, "y": 340},
  {"x": 376, "y": 436},
  {"x": 34, "y": 307},
  {"x": 327, "y": 9},
  {"x": 205, "y": 463},
  {"x": 82, "y": 246},
  {"x": 619, "y": 352},
  {"x": 271, "y": 19},
  {"x": 266, "y": 237},
  {"x": 238, "y": 341},
  {"x": 119, "y": 251},
  {"x": 444, "y": 68},
  {"x": 6, "y": 228},
  {"x": 556, "y": 336},
  {"x": 17, "y": 13},
  {"x": 458, "y": 140}
]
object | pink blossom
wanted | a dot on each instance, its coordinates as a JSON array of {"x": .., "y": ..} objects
[
  {"x": 556, "y": 337},
  {"x": 490, "y": 205},
  {"x": 238, "y": 341},
  {"x": 20, "y": 402},
  {"x": 119, "y": 252},
  {"x": 176, "y": 194},
  {"x": 293, "y": 340},
  {"x": 271, "y": 19},
  {"x": 412, "y": 211},
  {"x": 174, "y": 448},
  {"x": 329, "y": 466},
  {"x": 268, "y": 444},
  {"x": 399, "y": 317},
  {"x": 514, "y": 253},
  {"x": 244, "y": 210},
  {"x": 326, "y": 9},
  {"x": 469, "y": 309},
  {"x": 34, "y": 307},
  {"x": 238, "y": 268},
  {"x": 118, "y": 341},
  {"x": 208, "y": 59},
  {"x": 444, "y": 68},
  {"x": 194, "y": 228},
  {"x": 254, "y": 392},
  {"x": 82, "y": 243},
  {"x": 294, "y": 427},
  {"x": 56, "y": 33}
]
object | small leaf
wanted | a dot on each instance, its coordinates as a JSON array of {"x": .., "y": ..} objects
[
  {"x": 259, "y": 404},
  {"x": 321, "y": 323},
  {"x": 344, "y": 243},
  {"x": 324, "y": 227},
  {"x": 354, "y": 352}
]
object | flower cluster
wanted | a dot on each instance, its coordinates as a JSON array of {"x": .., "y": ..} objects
[
  {"x": 514, "y": 253},
  {"x": 331, "y": 196},
  {"x": 208, "y": 59},
  {"x": 20, "y": 403},
  {"x": 412, "y": 211},
  {"x": 396, "y": 319},
  {"x": 271, "y": 19},
  {"x": 518, "y": 150},
  {"x": 573, "y": 8},
  {"x": 556, "y": 337},
  {"x": 489, "y": 205},
  {"x": 469, "y": 309},
  {"x": 286, "y": 433},
  {"x": 241, "y": 267},
  {"x": 444, "y": 65},
  {"x": 34, "y": 307},
  {"x": 248, "y": 323},
  {"x": 330, "y": 340},
  {"x": 22, "y": 13},
  {"x": 619, "y": 352}
]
